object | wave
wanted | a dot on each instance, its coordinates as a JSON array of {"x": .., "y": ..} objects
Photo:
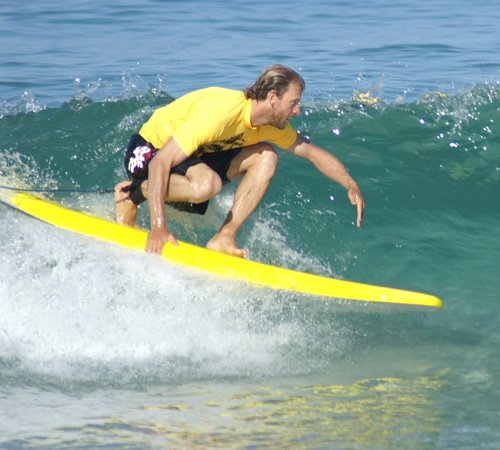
[
  {"x": 84, "y": 138},
  {"x": 77, "y": 312}
]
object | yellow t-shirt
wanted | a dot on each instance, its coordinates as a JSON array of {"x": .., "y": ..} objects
[{"x": 211, "y": 120}]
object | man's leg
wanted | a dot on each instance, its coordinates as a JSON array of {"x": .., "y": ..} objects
[
  {"x": 126, "y": 209},
  {"x": 198, "y": 185},
  {"x": 257, "y": 165}
]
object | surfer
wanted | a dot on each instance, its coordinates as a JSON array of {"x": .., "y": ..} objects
[{"x": 189, "y": 149}]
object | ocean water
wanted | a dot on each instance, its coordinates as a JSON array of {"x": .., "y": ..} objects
[{"x": 105, "y": 348}]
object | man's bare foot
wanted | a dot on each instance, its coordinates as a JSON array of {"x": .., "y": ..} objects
[
  {"x": 227, "y": 245},
  {"x": 126, "y": 211}
]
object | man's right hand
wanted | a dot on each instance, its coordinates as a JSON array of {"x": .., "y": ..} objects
[{"x": 157, "y": 238}]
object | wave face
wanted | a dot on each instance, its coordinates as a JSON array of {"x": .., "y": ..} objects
[{"x": 79, "y": 311}]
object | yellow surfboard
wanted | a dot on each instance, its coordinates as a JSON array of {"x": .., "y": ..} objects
[{"x": 224, "y": 265}]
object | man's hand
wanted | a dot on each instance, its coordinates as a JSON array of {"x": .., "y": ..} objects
[
  {"x": 157, "y": 238},
  {"x": 357, "y": 200}
]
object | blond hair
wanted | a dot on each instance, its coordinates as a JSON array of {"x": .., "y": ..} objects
[{"x": 277, "y": 78}]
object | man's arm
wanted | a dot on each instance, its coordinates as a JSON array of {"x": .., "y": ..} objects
[
  {"x": 168, "y": 156},
  {"x": 332, "y": 168}
]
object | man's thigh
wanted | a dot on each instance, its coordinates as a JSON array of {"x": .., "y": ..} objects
[
  {"x": 248, "y": 157},
  {"x": 220, "y": 162}
]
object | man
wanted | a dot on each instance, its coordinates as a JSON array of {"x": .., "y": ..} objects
[{"x": 190, "y": 148}]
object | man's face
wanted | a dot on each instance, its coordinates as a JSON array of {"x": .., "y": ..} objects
[{"x": 287, "y": 106}]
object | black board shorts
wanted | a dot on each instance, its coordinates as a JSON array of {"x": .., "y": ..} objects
[{"x": 140, "y": 153}]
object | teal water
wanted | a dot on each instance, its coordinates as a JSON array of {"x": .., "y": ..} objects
[{"x": 106, "y": 348}]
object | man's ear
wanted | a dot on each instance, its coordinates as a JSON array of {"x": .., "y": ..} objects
[{"x": 272, "y": 97}]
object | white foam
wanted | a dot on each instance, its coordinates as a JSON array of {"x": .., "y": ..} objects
[{"x": 80, "y": 309}]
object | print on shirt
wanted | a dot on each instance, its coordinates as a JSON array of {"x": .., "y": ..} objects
[{"x": 219, "y": 146}]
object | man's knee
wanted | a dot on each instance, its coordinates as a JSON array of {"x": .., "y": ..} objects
[
  {"x": 268, "y": 161},
  {"x": 206, "y": 187}
]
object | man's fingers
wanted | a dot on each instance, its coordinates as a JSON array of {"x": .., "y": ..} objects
[
  {"x": 361, "y": 207},
  {"x": 156, "y": 241}
]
